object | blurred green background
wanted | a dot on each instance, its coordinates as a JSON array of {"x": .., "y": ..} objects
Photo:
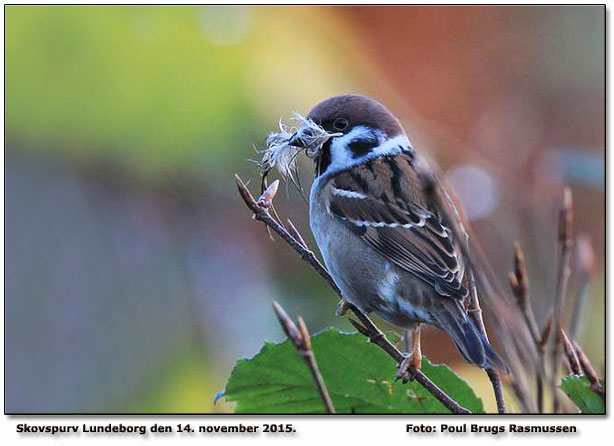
[{"x": 134, "y": 275}]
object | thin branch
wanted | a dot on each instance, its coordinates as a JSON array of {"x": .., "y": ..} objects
[
  {"x": 547, "y": 331},
  {"x": 541, "y": 350},
  {"x": 570, "y": 354},
  {"x": 565, "y": 240},
  {"x": 302, "y": 342},
  {"x": 475, "y": 313},
  {"x": 296, "y": 235},
  {"x": 519, "y": 282},
  {"x": 262, "y": 214},
  {"x": 367, "y": 327},
  {"x": 497, "y": 388},
  {"x": 589, "y": 371}
]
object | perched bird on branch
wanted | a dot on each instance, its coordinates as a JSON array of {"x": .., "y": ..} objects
[{"x": 386, "y": 246}]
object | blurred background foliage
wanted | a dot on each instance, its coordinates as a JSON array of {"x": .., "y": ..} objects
[{"x": 134, "y": 275}]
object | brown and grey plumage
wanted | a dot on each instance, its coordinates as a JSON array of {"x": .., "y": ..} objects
[{"x": 386, "y": 248}]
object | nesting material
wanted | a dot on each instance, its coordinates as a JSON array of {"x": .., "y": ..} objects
[{"x": 281, "y": 154}]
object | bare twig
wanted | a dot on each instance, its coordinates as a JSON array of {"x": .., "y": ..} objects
[
  {"x": 302, "y": 342},
  {"x": 367, "y": 327},
  {"x": 519, "y": 282},
  {"x": 295, "y": 234},
  {"x": 497, "y": 388},
  {"x": 262, "y": 214},
  {"x": 565, "y": 239},
  {"x": 570, "y": 354},
  {"x": 589, "y": 371},
  {"x": 547, "y": 331},
  {"x": 475, "y": 312}
]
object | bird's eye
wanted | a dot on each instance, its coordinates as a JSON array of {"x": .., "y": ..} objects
[{"x": 341, "y": 124}]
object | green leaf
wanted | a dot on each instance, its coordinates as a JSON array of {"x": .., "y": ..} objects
[
  {"x": 393, "y": 336},
  {"x": 578, "y": 389},
  {"x": 358, "y": 374}
]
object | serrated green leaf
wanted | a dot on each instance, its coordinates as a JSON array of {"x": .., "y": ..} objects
[
  {"x": 359, "y": 377},
  {"x": 578, "y": 389}
]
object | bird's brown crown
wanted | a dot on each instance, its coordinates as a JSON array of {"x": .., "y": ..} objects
[{"x": 357, "y": 110}]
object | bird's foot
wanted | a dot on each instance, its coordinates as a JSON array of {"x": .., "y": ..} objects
[
  {"x": 342, "y": 307},
  {"x": 413, "y": 361},
  {"x": 408, "y": 367}
]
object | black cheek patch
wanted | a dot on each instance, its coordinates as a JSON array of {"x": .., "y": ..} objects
[
  {"x": 324, "y": 158},
  {"x": 361, "y": 147}
]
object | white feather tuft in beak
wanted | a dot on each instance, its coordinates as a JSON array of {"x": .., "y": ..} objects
[{"x": 284, "y": 146}]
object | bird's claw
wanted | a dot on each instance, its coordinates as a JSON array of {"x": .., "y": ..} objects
[
  {"x": 408, "y": 367},
  {"x": 342, "y": 307}
]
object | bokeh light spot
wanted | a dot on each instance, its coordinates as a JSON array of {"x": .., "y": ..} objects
[{"x": 476, "y": 188}]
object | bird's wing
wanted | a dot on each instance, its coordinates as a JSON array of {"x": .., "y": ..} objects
[{"x": 381, "y": 202}]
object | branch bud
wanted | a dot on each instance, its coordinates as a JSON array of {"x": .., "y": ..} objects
[
  {"x": 302, "y": 328},
  {"x": 245, "y": 194},
  {"x": 566, "y": 219},
  {"x": 288, "y": 326},
  {"x": 519, "y": 279},
  {"x": 266, "y": 199}
]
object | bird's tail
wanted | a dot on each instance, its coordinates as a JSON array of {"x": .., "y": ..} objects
[{"x": 469, "y": 340}]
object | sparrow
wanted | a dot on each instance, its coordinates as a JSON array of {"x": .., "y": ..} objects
[{"x": 387, "y": 249}]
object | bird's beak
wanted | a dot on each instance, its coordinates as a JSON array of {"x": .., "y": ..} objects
[{"x": 310, "y": 139}]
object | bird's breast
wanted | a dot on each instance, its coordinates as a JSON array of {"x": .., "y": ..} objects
[{"x": 364, "y": 277}]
